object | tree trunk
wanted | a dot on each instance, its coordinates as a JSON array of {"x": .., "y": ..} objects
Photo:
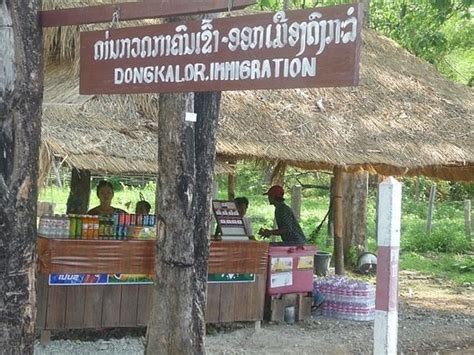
[
  {"x": 21, "y": 87},
  {"x": 206, "y": 106},
  {"x": 278, "y": 175},
  {"x": 170, "y": 328},
  {"x": 79, "y": 193},
  {"x": 187, "y": 150},
  {"x": 355, "y": 192}
]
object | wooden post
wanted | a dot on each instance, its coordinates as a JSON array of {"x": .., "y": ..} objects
[
  {"x": 338, "y": 222},
  {"x": 330, "y": 236},
  {"x": 231, "y": 180},
  {"x": 468, "y": 220},
  {"x": 296, "y": 201},
  {"x": 417, "y": 189},
  {"x": 79, "y": 193},
  {"x": 429, "y": 220},
  {"x": 388, "y": 241}
]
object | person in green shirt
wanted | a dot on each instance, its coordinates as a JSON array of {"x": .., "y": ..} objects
[{"x": 288, "y": 227}]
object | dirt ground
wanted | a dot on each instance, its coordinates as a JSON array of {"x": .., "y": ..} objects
[{"x": 434, "y": 317}]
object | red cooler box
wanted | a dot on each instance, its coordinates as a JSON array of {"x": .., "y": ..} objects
[{"x": 290, "y": 269}]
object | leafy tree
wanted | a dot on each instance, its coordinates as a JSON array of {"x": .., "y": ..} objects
[
  {"x": 439, "y": 31},
  {"x": 419, "y": 26}
]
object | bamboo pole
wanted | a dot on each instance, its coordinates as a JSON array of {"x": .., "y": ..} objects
[{"x": 338, "y": 222}]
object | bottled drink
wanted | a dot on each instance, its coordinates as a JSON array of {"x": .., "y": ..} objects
[
  {"x": 85, "y": 227},
  {"x": 95, "y": 227},
  {"x": 78, "y": 233},
  {"x": 72, "y": 226}
]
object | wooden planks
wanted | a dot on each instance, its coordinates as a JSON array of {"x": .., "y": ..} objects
[
  {"x": 244, "y": 304},
  {"x": 93, "y": 306},
  {"x": 129, "y": 306},
  {"x": 76, "y": 307},
  {"x": 144, "y": 304},
  {"x": 213, "y": 302},
  {"x": 233, "y": 302},
  {"x": 227, "y": 303},
  {"x": 111, "y": 306},
  {"x": 55, "y": 313},
  {"x": 41, "y": 300},
  {"x": 136, "y": 11},
  {"x": 75, "y": 301}
]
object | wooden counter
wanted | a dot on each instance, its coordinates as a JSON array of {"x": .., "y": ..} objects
[{"x": 94, "y": 306}]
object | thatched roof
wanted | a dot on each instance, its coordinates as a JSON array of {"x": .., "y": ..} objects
[
  {"x": 101, "y": 134},
  {"x": 404, "y": 118}
]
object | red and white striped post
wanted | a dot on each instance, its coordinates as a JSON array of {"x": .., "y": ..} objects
[{"x": 388, "y": 241}]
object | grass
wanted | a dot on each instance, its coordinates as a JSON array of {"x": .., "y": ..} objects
[{"x": 458, "y": 268}]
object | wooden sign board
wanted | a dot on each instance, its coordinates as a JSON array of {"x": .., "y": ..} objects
[
  {"x": 229, "y": 220},
  {"x": 136, "y": 11},
  {"x": 318, "y": 47}
]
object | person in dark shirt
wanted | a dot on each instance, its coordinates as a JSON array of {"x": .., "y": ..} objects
[
  {"x": 242, "y": 204},
  {"x": 288, "y": 227},
  {"x": 142, "y": 207}
]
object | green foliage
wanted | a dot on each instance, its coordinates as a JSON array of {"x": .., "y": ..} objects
[
  {"x": 439, "y": 31},
  {"x": 431, "y": 30},
  {"x": 464, "y": 265},
  {"x": 447, "y": 236}
]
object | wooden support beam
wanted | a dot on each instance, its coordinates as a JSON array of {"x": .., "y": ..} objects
[
  {"x": 136, "y": 11},
  {"x": 231, "y": 182},
  {"x": 338, "y": 222}
]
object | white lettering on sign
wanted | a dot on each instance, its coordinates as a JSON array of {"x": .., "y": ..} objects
[
  {"x": 279, "y": 34},
  {"x": 302, "y": 48},
  {"x": 233, "y": 70}
]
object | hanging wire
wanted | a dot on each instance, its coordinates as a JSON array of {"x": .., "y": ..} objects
[
  {"x": 115, "y": 18},
  {"x": 230, "y": 6}
]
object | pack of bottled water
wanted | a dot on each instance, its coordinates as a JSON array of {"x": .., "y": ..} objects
[{"x": 346, "y": 298}]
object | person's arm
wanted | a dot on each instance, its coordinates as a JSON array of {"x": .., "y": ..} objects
[{"x": 270, "y": 232}]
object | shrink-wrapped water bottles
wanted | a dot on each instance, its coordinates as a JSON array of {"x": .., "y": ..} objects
[{"x": 346, "y": 298}]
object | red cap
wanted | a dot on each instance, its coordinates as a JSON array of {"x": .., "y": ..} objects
[{"x": 275, "y": 191}]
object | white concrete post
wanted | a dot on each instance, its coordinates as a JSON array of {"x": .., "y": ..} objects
[{"x": 388, "y": 241}]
